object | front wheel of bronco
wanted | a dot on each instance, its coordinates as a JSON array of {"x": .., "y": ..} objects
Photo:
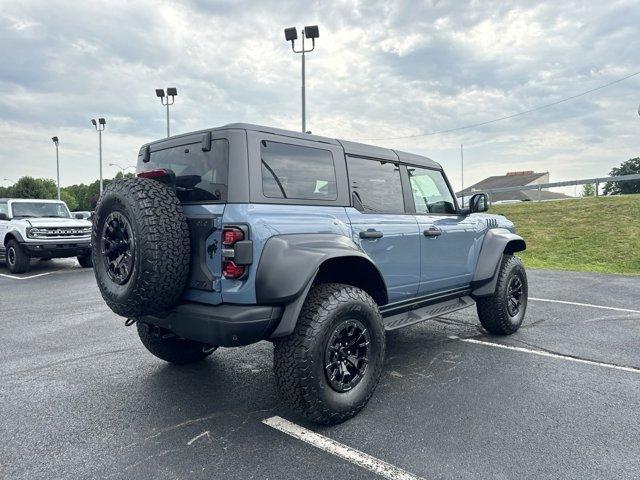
[
  {"x": 502, "y": 312},
  {"x": 17, "y": 260},
  {"x": 171, "y": 348},
  {"x": 85, "y": 260},
  {"x": 329, "y": 367}
]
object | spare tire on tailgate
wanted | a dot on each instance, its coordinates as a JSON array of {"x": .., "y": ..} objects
[{"x": 141, "y": 247}]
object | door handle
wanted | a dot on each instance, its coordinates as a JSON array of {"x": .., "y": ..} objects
[
  {"x": 432, "y": 232},
  {"x": 371, "y": 234}
]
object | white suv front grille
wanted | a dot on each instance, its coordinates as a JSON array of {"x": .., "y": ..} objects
[{"x": 60, "y": 232}]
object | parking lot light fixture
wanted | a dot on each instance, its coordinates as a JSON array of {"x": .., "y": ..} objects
[
  {"x": 291, "y": 35},
  {"x": 122, "y": 169},
  {"x": 99, "y": 126},
  {"x": 55, "y": 142},
  {"x": 167, "y": 100}
]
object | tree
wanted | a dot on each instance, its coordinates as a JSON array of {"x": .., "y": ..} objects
[
  {"x": 29, "y": 187},
  {"x": 631, "y": 166},
  {"x": 588, "y": 190},
  {"x": 67, "y": 197}
]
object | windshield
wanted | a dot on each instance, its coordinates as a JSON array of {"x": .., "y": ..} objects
[{"x": 40, "y": 209}]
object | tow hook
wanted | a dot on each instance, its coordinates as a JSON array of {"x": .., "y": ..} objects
[
  {"x": 130, "y": 321},
  {"x": 208, "y": 349}
]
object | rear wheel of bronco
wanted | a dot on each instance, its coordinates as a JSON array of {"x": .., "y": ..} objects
[
  {"x": 503, "y": 312},
  {"x": 17, "y": 260},
  {"x": 85, "y": 260},
  {"x": 170, "y": 348},
  {"x": 329, "y": 367},
  {"x": 141, "y": 246}
]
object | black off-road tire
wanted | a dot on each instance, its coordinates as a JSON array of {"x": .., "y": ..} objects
[
  {"x": 493, "y": 310},
  {"x": 170, "y": 348},
  {"x": 299, "y": 359},
  {"x": 85, "y": 260},
  {"x": 18, "y": 261},
  {"x": 160, "y": 247}
]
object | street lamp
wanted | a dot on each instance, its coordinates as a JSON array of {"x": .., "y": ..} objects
[
  {"x": 122, "y": 169},
  {"x": 99, "y": 126},
  {"x": 55, "y": 141},
  {"x": 291, "y": 35},
  {"x": 167, "y": 100}
]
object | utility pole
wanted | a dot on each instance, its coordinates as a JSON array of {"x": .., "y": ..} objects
[
  {"x": 55, "y": 142},
  {"x": 462, "y": 171},
  {"x": 291, "y": 35}
]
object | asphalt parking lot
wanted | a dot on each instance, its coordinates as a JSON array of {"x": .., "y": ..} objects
[{"x": 81, "y": 397}]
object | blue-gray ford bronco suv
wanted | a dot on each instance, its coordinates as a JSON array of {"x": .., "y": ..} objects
[{"x": 243, "y": 233}]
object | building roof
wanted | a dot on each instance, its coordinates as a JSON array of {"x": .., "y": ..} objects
[
  {"x": 527, "y": 195},
  {"x": 511, "y": 179}
]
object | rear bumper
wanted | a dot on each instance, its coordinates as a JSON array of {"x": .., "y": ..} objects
[
  {"x": 56, "y": 250},
  {"x": 225, "y": 325}
]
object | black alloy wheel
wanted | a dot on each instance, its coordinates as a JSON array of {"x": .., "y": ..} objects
[
  {"x": 514, "y": 295},
  {"x": 345, "y": 356},
  {"x": 118, "y": 247}
]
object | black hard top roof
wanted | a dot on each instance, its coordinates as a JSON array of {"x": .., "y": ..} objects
[{"x": 350, "y": 148}]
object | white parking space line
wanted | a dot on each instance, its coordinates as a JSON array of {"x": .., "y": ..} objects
[
  {"x": 352, "y": 455},
  {"x": 548, "y": 300},
  {"x": 542, "y": 353},
  {"x": 26, "y": 278}
]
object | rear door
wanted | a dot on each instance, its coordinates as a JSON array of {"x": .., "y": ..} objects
[
  {"x": 449, "y": 241},
  {"x": 380, "y": 225},
  {"x": 201, "y": 186}
]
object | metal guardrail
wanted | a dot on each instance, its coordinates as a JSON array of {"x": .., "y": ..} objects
[{"x": 568, "y": 183}]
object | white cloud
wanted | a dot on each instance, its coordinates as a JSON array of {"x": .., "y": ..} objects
[{"x": 380, "y": 69}]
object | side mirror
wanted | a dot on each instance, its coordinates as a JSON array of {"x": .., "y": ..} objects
[
  {"x": 4, "y": 216},
  {"x": 479, "y": 202},
  {"x": 78, "y": 216}
]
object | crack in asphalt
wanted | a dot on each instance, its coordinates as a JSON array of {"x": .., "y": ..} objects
[{"x": 66, "y": 361}]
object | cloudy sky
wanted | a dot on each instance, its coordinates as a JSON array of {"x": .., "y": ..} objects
[{"x": 381, "y": 69}]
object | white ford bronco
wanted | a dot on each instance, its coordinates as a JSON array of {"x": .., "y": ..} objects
[{"x": 42, "y": 229}]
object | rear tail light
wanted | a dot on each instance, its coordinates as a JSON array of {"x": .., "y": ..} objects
[
  {"x": 236, "y": 252},
  {"x": 231, "y": 235},
  {"x": 158, "y": 173},
  {"x": 231, "y": 270}
]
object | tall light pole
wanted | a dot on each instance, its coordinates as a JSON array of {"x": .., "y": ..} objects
[
  {"x": 167, "y": 100},
  {"x": 462, "y": 171},
  {"x": 99, "y": 126},
  {"x": 55, "y": 142},
  {"x": 291, "y": 35}
]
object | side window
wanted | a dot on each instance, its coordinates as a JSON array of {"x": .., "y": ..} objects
[
  {"x": 375, "y": 185},
  {"x": 296, "y": 172},
  {"x": 430, "y": 191},
  {"x": 4, "y": 208}
]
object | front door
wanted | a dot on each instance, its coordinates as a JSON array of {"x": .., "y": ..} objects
[
  {"x": 380, "y": 226},
  {"x": 450, "y": 242}
]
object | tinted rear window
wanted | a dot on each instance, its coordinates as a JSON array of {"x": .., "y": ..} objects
[
  {"x": 293, "y": 171},
  {"x": 200, "y": 176}
]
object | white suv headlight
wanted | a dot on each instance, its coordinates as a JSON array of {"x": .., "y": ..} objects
[{"x": 34, "y": 232}]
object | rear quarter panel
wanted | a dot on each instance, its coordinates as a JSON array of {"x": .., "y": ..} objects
[{"x": 267, "y": 220}]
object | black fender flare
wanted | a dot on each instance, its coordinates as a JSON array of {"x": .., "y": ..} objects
[
  {"x": 496, "y": 243},
  {"x": 289, "y": 265},
  {"x": 13, "y": 233}
]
